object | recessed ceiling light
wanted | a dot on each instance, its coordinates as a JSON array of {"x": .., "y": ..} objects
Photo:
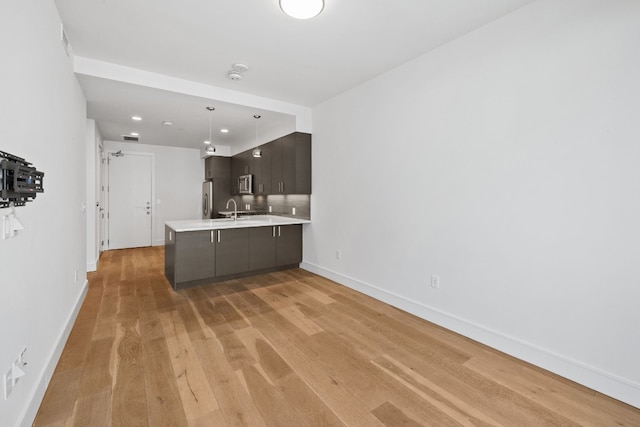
[
  {"x": 207, "y": 142},
  {"x": 166, "y": 123},
  {"x": 136, "y": 118},
  {"x": 224, "y": 130},
  {"x": 134, "y": 134}
]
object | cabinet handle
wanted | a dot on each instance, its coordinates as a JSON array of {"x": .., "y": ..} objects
[
  {"x": 170, "y": 236},
  {"x": 282, "y": 187},
  {"x": 211, "y": 236},
  {"x": 278, "y": 231},
  {"x": 218, "y": 236},
  {"x": 274, "y": 231}
]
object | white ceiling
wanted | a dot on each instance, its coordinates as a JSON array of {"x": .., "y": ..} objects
[{"x": 299, "y": 62}]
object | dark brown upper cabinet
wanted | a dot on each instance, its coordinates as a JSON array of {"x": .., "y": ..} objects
[
  {"x": 291, "y": 164},
  {"x": 283, "y": 168}
]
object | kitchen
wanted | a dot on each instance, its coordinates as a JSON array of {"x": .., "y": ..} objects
[
  {"x": 502, "y": 162},
  {"x": 272, "y": 185}
]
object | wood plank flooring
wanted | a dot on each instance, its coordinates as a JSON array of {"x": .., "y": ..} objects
[{"x": 287, "y": 349}]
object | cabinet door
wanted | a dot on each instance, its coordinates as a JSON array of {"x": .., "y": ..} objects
[
  {"x": 288, "y": 173},
  {"x": 195, "y": 255},
  {"x": 303, "y": 163},
  {"x": 289, "y": 244},
  {"x": 276, "y": 166},
  {"x": 262, "y": 248},
  {"x": 216, "y": 167},
  {"x": 208, "y": 168},
  {"x": 291, "y": 164},
  {"x": 169, "y": 255},
  {"x": 232, "y": 251},
  {"x": 262, "y": 171}
]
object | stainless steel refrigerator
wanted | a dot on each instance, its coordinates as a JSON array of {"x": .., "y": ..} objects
[{"x": 207, "y": 200}]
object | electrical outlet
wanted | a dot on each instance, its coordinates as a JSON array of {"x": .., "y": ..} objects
[
  {"x": 293, "y": 211},
  {"x": 7, "y": 380},
  {"x": 338, "y": 254},
  {"x": 270, "y": 208},
  {"x": 435, "y": 281}
]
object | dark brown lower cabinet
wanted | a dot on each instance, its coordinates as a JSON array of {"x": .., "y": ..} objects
[
  {"x": 195, "y": 255},
  {"x": 200, "y": 257},
  {"x": 288, "y": 245},
  {"x": 232, "y": 255},
  {"x": 262, "y": 248}
]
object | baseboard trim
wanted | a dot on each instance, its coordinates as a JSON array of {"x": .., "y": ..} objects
[
  {"x": 29, "y": 416},
  {"x": 604, "y": 382}
]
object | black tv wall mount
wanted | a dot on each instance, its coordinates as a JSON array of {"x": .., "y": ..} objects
[{"x": 19, "y": 180}]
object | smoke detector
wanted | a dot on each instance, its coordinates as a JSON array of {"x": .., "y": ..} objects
[
  {"x": 234, "y": 75},
  {"x": 236, "y": 71}
]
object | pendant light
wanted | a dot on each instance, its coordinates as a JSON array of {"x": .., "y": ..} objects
[
  {"x": 302, "y": 9},
  {"x": 257, "y": 152},
  {"x": 210, "y": 148}
]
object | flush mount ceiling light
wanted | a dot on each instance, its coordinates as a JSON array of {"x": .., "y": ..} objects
[
  {"x": 302, "y": 9},
  {"x": 167, "y": 123},
  {"x": 134, "y": 134},
  {"x": 136, "y": 118},
  {"x": 224, "y": 130},
  {"x": 210, "y": 148},
  {"x": 257, "y": 152}
]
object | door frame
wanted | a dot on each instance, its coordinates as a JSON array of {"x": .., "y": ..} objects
[{"x": 107, "y": 154}]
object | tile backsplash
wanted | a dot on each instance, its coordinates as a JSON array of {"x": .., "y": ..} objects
[{"x": 280, "y": 204}]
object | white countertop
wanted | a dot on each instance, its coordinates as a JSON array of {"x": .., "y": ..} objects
[{"x": 242, "y": 222}]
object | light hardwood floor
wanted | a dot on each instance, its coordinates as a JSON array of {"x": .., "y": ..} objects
[{"x": 287, "y": 349}]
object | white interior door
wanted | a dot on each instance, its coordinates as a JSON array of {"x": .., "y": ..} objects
[{"x": 129, "y": 192}]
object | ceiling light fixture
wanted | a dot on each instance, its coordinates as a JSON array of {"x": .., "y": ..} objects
[
  {"x": 224, "y": 130},
  {"x": 134, "y": 134},
  {"x": 302, "y": 9},
  {"x": 136, "y": 118},
  {"x": 257, "y": 152},
  {"x": 210, "y": 149},
  {"x": 167, "y": 123}
]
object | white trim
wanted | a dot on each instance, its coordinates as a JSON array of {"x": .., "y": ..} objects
[
  {"x": 93, "y": 265},
  {"x": 29, "y": 415},
  {"x": 597, "y": 379}
]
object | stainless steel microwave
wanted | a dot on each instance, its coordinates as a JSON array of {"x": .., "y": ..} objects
[{"x": 245, "y": 184}]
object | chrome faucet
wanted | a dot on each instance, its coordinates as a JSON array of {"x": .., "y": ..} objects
[{"x": 235, "y": 209}]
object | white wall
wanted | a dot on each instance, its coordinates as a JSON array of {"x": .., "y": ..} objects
[
  {"x": 514, "y": 177},
  {"x": 42, "y": 118},
  {"x": 179, "y": 173}
]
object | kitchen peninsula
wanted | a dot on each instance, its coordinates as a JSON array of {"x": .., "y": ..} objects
[{"x": 206, "y": 251}]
